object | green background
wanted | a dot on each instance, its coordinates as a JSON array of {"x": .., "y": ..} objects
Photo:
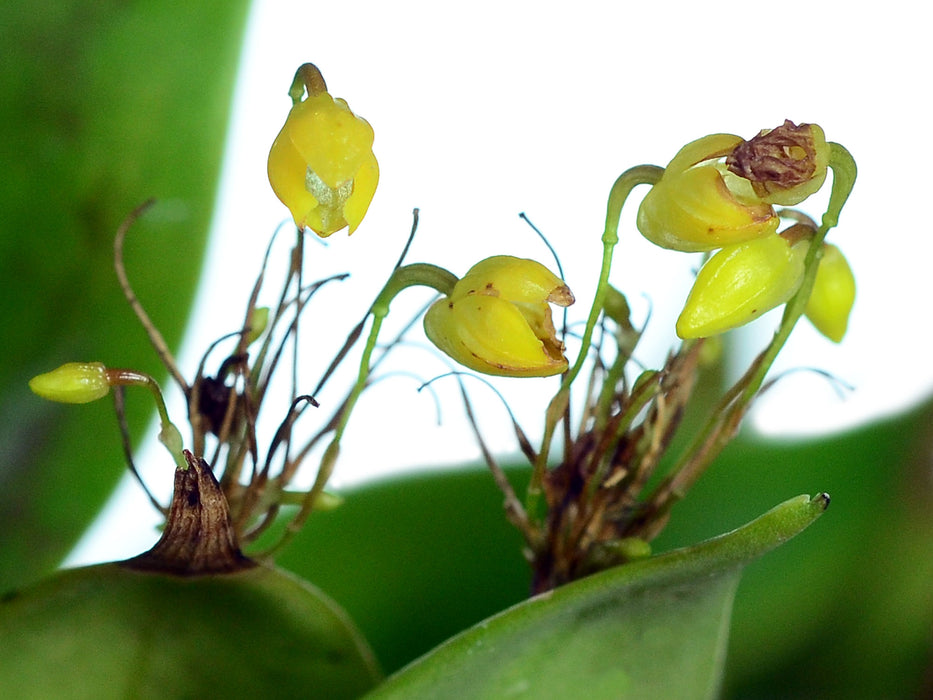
[{"x": 104, "y": 105}]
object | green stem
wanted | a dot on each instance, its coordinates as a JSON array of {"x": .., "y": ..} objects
[
  {"x": 415, "y": 274},
  {"x": 623, "y": 186},
  {"x": 616, "y": 309},
  {"x": 735, "y": 403},
  {"x": 307, "y": 78},
  {"x": 168, "y": 433},
  {"x": 844, "y": 173},
  {"x": 646, "y": 388},
  {"x": 411, "y": 275}
]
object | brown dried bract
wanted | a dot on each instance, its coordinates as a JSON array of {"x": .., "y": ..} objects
[
  {"x": 199, "y": 537},
  {"x": 596, "y": 495}
]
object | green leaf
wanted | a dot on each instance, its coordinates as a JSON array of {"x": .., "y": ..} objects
[
  {"x": 105, "y": 104},
  {"x": 110, "y": 632},
  {"x": 801, "y": 630},
  {"x": 414, "y": 559},
  {"x": 651, "y": 629}
]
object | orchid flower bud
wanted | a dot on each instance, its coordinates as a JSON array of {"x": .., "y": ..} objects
[
  {"x": 73, "y": 382},
  {"x": 784, "y": 165},
  {"x": 321, "y": 164},
  {"x": 696, "y": 206},
  {"x": 258, "y": 327},
  {"x": 741, "y": 282},
  {"x": 83, "y": 382},
  {"x": 833, "y": 295},
  {"x": 497, "y": 320}
]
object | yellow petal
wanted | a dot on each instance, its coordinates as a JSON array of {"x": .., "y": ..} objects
[
  {"x": 332, "y": 140},
  {"x": 489, "y": 335},
  {"x": 287, "y": 172},
  {"x": 694, "y": 211},
  {"x": 364, "y": 187},
  {"x": 833, "y": 295},
  {"x": 321, "y": 165},
  {"x": 704, "y": 148},
  {"x": 515, "y": 279},
  {"x": 740, "y": 283}
]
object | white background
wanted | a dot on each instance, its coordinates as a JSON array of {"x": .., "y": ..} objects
[{"x": 485, "y": 109}]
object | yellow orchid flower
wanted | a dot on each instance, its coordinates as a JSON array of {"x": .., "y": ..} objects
[
  {"x": 497, "y": 320},
  {"x": 719, "y": 190},
  {"x": 321, "y": 165},
  {"x": 697, "y": 207}
]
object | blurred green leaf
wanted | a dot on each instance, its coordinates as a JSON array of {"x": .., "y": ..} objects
[
  {"x": 857, "y": 625},
  {"x": 656, "y": 628},
  {"x": 417, "y": 558},
  {"x": 104, "y": 105},
  {"x": 414, "y": 559}
]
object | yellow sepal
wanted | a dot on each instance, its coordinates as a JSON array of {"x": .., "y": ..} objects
[
  {"x": 497, "y": 320},
  {"x": 833, "y": 295},
  {"x": 740, "y": 283}
]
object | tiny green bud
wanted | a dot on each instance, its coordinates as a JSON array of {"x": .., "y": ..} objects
[
  {"x": 260, "y": 319},
  {"x": 616, "y": 307},
  {"x": 83, "y": 382},
  {"x": 73, "y": 382}
]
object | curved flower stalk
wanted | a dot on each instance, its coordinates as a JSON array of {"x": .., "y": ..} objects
[
  {"x": 321, "y": 164},
  {"x": 84, "y": 382}
]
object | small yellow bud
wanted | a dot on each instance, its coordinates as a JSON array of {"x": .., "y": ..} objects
[
  {"x": 321, "y": 164},
  {"x": 497, "y": 319},
  {"x": 741, "y": 282},
  {"x": 833, "y": 295},
  {"x": 784, "y": 165},
  {"x": 694, "y": 208},
  {"x": 74, "y": 382}
]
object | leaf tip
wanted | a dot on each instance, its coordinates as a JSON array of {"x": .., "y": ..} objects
[{"x": 821, "y": 501}]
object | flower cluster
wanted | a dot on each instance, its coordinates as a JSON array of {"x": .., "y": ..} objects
[
  {"x": 719, "y": 192},
  {"x": 603, "y": 500}
]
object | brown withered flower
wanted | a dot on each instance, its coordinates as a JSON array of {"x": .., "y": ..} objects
[{"x": 784, "y": 165}]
